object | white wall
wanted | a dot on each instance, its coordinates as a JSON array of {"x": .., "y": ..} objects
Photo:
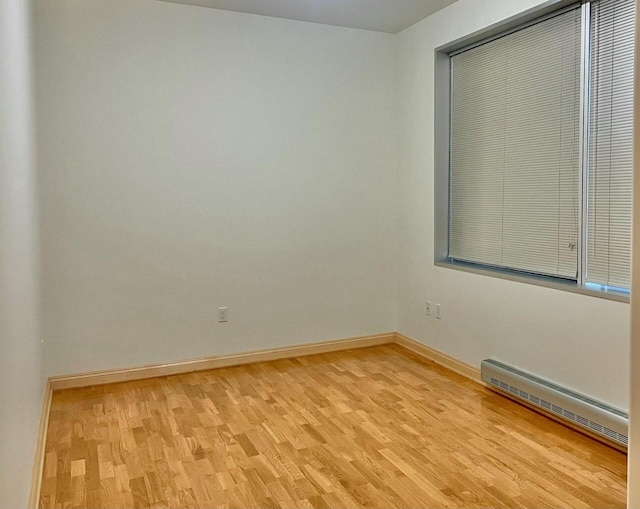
[
  {"x": 576, "y": 340},
  {"x": 21, "y": 377},
  {"x": 192, "y": 158}
]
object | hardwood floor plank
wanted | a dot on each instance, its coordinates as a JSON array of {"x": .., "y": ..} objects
[{"x": 371, "y": 427}]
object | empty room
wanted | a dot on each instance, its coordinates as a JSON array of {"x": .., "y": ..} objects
[{"x": 318, "y": 254}]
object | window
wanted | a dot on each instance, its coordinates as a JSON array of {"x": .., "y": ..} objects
[
  {"x": 540, "y": 147},
  {"x": 610, "y": 136}
]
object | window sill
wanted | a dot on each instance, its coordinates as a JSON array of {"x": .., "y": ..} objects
[{"x": 547, "y": 282}]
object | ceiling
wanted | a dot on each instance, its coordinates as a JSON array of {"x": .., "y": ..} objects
[{"x": 380, "y": 15}]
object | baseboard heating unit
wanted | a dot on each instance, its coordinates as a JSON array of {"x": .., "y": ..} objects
[{"x": 594, "y": 416}]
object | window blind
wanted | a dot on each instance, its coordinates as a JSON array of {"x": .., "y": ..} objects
[
  {"x": 609, "y": 201},
  {"x": 514, "y": 174}
]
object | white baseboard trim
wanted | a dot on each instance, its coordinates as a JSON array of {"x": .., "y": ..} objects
[
  {"x": 442, "y": 359},
  {"x": 38, "y": 462},
  {"x": 222, "y": 361}
]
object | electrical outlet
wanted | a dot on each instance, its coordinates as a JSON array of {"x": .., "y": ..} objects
[
  {"x": 438, "y": 313},
  {"x": 427, "y": 308},
  {"x": 223, "y": 314}
]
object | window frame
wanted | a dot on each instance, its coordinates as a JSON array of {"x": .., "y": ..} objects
[{"x": 442, "y": 151}]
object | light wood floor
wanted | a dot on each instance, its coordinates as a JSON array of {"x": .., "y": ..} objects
[{"x": 364, "y": 428}]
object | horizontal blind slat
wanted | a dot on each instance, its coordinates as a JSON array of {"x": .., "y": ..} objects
[
  {"x": 514, "y": 149},
  {"x": 609, "y": 202}
]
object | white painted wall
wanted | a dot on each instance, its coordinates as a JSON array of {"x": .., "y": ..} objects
[
  {"x": 193, "y": 158},
  {"x": 21, "y": 376},
  {"x": 633, "y": 457},
  {"x": 579, "y": 341}
]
